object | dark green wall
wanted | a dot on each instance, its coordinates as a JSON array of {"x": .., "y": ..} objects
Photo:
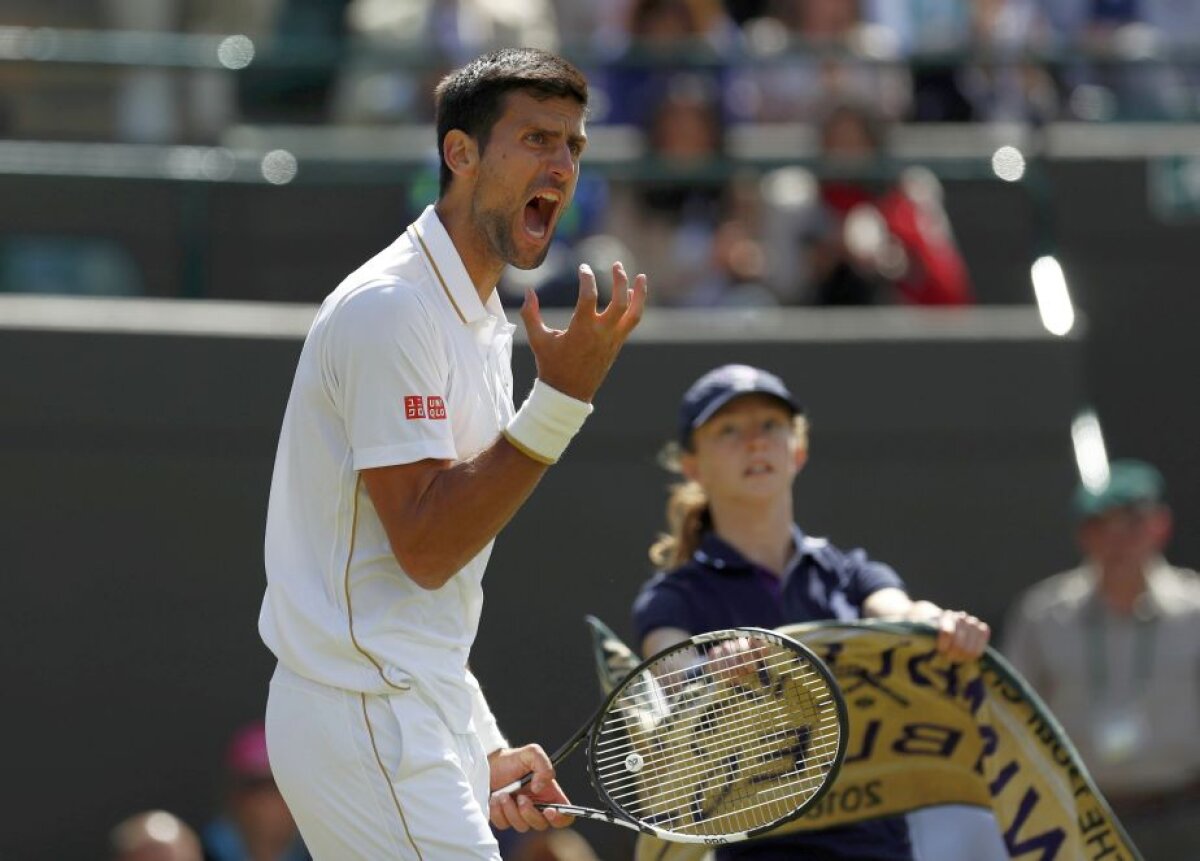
[{"x": 136, "y": 470}]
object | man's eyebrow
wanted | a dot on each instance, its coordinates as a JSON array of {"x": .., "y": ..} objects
[{"x": 579, "y": 140}]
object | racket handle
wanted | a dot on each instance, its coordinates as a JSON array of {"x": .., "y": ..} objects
[
  {"x": 592, "y": 813},
  {"x": 515, "y": 785}
]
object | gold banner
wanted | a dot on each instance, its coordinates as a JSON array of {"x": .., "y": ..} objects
[{"x": 925, "y": 731}]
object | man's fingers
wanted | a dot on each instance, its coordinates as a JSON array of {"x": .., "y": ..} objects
[
  {"x": 536, "y": 761},
  {"x": 620, "y": 290},
  {"x": 504, "y": 813},
  {"x": 533, "y": 817},
  {"x": 637, "y": 304},
  {"x": 588, "y": 294},
  {"x": 558, "y": 820},
  {"x": 531, "y": 315},
  {"x": 555, "y": 795}
]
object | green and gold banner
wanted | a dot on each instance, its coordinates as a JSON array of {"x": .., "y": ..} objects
[{"x": 924, "y": 731}]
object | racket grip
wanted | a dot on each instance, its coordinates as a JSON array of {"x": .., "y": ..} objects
[{"x": 515, "y": 785}]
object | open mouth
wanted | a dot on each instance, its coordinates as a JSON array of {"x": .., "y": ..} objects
[
  {"x": 759, "y": 469},
  {"x": 539, "y": 213}
]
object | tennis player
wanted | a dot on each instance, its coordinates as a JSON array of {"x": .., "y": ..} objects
[
  {"x": 399, "y": 461},
  {"x": 735, "y": 557}
]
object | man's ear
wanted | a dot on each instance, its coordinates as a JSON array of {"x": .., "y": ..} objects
[
  {"x": 801, "y": 456},
  {"x": 461, "y": 153}
]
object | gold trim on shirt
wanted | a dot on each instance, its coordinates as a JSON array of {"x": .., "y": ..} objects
[
  {"x": 438, "y": 272},
  {"x": 350, "y": 603}
]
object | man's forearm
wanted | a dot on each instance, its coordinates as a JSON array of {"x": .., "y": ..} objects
[{"x": 438, "y": 529}]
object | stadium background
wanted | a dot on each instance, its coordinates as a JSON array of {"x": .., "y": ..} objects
[{"x": 138, "y": 436}]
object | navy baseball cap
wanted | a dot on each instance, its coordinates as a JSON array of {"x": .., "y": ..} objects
[
  {"x": 1130, "y": 483},
  {"x": 720, "y": 386}
]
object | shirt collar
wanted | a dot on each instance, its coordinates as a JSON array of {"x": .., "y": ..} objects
[
  {"x": 435, "y": 245},
  {"x": 1155, "y": 602},
  {"x": 715, "y": 553}
]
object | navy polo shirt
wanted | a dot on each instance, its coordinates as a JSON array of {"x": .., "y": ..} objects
[{"x": 719, "y": 588}]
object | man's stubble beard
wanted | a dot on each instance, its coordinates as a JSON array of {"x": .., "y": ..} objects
[{"x": 496, "y": 228}]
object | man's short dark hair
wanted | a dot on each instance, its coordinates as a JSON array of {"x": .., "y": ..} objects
[{"x": 472, "y": 98}]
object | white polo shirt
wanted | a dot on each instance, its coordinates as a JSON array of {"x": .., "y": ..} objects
[{"x": 402, "y": 363}]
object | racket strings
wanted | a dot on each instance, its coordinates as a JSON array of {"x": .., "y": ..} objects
[
  {"x": 746, "y": 786},
  {"x": 819, "y": 756},
  {"x": 818, "y": 708},
  {"x": 819, "y": 751},
  {"x": 692, "y": 749},
  {"x": 634, "y": 713},
  {"x": 735, "y": 722}
]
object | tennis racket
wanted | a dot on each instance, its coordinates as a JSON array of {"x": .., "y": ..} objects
[{"x": 714, "y": 740}]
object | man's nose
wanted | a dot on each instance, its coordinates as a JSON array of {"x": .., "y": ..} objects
[{"x": 562, "y": 163}]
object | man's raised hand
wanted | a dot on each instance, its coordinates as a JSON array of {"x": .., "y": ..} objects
[{"x": 576, "y": 360}]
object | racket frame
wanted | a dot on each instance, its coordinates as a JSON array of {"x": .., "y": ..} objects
[{"x": 590, "y": 732}]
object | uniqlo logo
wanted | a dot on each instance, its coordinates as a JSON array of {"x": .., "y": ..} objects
[
  {"x": 414, "y": 407},
  {"x": 436, "y": 406}
]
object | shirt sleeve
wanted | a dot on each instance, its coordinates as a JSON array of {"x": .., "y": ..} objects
[
  {"x": 485, "y": 723},
  {"x": 864, "y": 577},
  {"x": 661, "y": 604},
  {"x": 389, "y": 374}
]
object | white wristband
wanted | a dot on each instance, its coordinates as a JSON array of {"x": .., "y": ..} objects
[{"x": 546, "y": 422}]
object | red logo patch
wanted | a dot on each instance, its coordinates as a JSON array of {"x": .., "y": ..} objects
[
  {"x": 414, "y": 407},
  {"x": 437, "y": 407}
]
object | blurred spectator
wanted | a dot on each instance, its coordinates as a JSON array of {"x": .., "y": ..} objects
[
  {"x": 560, "y": 844},
  {"x": 68, "y": 264},
  {"x": 985, "y": 73},
  {"x": 1115, "y": 64},
  {"x": 300, "y": 45},
  {"x": 156, "y": 104},
  {"x": 999, "y": 82},
  {"x": 837, "y": 53},
  {"x": 1113, "y": 646},
  {"x": 153, "y": 836},
  {"x": 664, "y": 40},
  {"x": 859, "y": 237},
  {"x": 680, "y": 219},
  {"x": 256, "y": 824},
  {"x": 440, "y": 36}
]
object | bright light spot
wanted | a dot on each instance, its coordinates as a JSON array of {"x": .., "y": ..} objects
[
  {"x": 790, "y": 188},
  {"x": 864, "y": 231},
  {"x": 1008, "y": 163},
  {"x": 235, "y": 52},
  {"x": 1090, "y": 454},
  {"x": 162, "y": 827},
  {"x": 279, "y": 167},
  {"x": 766, "y": 36},
  {"x": 1053, "y": 299}
]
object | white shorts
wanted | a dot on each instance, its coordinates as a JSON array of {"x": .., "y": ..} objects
[{"x": 376, "y": 777}]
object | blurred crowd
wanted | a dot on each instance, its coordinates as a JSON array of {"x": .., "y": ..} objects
[
  {"x": 253, "y": 822},
  {"x": 846, "y": 225},
  {"x": 763, "y": 61}
]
